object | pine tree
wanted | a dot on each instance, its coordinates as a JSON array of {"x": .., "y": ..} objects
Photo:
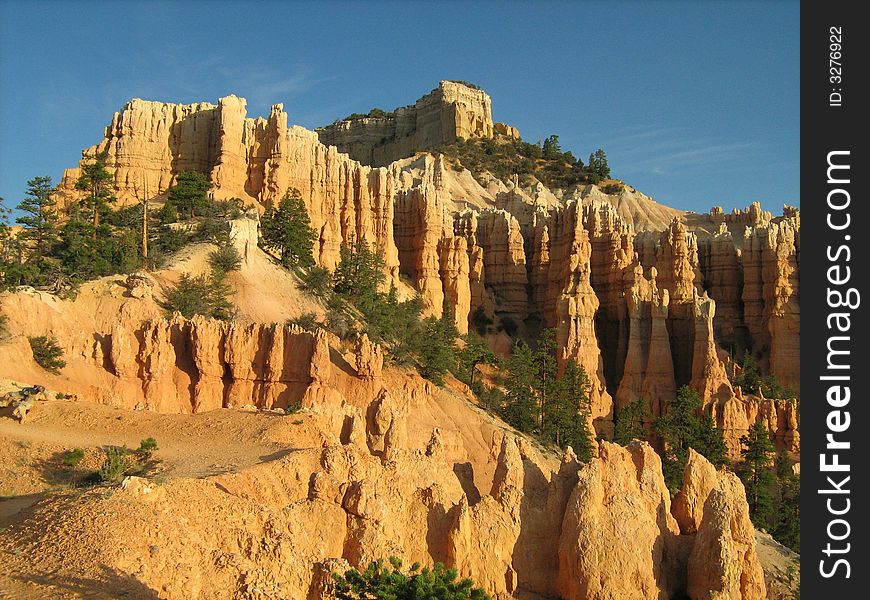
[
  {"x": 551, "y": 148},
  {"x": 629, "y": 422},
  {"x": 787, "y": 528},
  {"x": 598, "y": 165},
  {"x": 683, "y": 426},
  {"x": 200, "y": 295},
  {"x": 39, "y": 218},
  {"x": 96, "y": 180},
  {"x": 436, "y": 348},
  {"x": 757, "y": 475},
  {"x": 521, "y": 402},
  {"x": 476, "y": 352},
  {"x": 288, "y": 231},
  {"x": 190, "y": 192},
  {"x": 546, "y": 371},
  {"x": 360, "y": 272},
  {"x": 569, "y": 412}
]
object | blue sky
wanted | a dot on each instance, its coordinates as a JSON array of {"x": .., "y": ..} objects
[{"x": 695, "y": 103}]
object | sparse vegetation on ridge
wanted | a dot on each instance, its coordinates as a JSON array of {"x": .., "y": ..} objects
[{"x": 503, "y": 158}]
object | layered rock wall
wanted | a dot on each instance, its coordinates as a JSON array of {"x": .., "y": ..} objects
[
  {"x": 450, "y": 111},
  {"x": 643, "y": 313}
]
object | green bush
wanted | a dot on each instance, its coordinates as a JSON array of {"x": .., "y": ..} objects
[
  {"x": 317, "y": 282},
  {"x": 73, "y": 457},
  {"x": 147, "y": 447},
  {"x": 47, "y": 353},
  {"x": 225, "y": 259},
  {"x": 504, "y": 159},
  {"x": 200, "y": 295},
  {"x": 307, "y": 321},
  {"x": 118, "y": 461},
  {"x": 382, "y": 582}
]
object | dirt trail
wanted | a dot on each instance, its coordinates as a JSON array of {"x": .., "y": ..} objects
[{"x": 192, "y": 446}]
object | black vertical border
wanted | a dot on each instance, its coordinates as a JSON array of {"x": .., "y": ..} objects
[{"x": 826, "y": 128}]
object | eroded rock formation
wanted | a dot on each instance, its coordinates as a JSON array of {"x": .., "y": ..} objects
[
  {"x": 676, "y": 303},
  {"x": 450, "y": 111}
]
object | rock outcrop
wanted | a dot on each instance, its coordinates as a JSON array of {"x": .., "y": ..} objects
[
  {"x": 201, "y": 364},
  {"x": 452, "y": 110},
  {"x": 620, "y": 495}
]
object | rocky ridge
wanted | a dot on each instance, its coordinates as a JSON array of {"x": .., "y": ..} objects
[{"x": 702, "y": 289}]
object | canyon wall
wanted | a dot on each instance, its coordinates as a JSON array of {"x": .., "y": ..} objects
[{"x": 644, "y": 312}]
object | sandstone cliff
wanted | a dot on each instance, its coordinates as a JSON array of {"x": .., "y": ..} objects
[
  {"x": 709, "y": 288},
  {"x": 450, "y": 111}
]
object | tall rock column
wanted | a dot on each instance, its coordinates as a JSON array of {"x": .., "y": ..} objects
[
  {"x": 709, "y": 378},
  {"x": 575, "y": 329},
  {"x": 455, "y": 278},
  {"x": 504, "y": 261},
  {"x": 659, "y": 386}
]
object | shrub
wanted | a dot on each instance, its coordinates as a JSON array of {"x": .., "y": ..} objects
[
  {"x": 73, "y": 457},
  {"x": 213, "y": 230},
  {"x": 200, "y": 295},
  {"x": 225, "y": 259},
  {"x": 340, "y": 323},
  {"x": 147, "y": 447},
  {"x": 380, "y": 581},
  {"x": 317, "y": 282},
  {"x": 307, "y": 321},
  {"x": 118, "y": 461},
  {"x": 47, "y": 353}
]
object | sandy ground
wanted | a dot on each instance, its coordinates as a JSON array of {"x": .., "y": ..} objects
[{"x": 191, "y": 446}]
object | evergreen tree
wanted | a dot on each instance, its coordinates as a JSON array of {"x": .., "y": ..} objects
[
  {"x": 476, "y": 352},
  {"x": 97, "y": 181},
  {"x": 629, "y": 422},
  {"x": 190, "y": 192},
  {"x": 521, "y": 402},
  {"x": 545, "y": 384},
  {"x": 598, "y": 165},
  {"x": 5, "y": 236},
  {"x": 757, "y": 475},
  {"x": 683, "y": 426},
  {"x": 551, "y": 148},
  {"x": 436, "y": 348},
  {"x": 787, "y": 527},
  {"x": 200, "y": 295},
  {"x": 360, "y": 272},
  {"x": 567, "y": 423},
  {"x": 39, "y": 218},
  {"x": 288, "y": 231}
]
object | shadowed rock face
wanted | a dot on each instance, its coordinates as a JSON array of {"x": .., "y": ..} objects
[{"x": 645, "y": 299}]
